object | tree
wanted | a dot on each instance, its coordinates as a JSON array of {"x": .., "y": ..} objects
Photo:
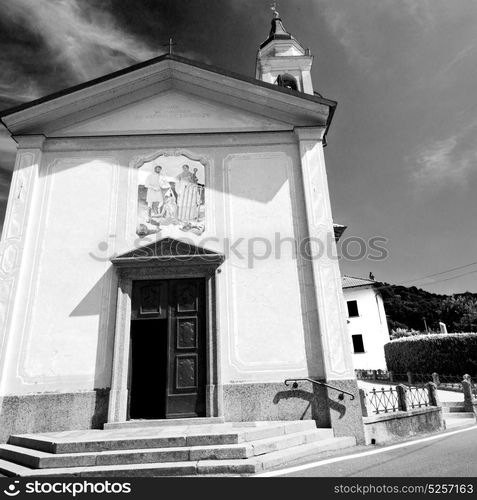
[
  {"x": 406, "y": 308},
  {"x": 459, "y": 312}
]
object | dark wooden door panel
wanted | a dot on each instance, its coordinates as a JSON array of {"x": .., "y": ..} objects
[
  {"x": 186, "y": 387},
  {"x": 187, "y": 333},
  {"x": 186, "y": 296},
  {"x": 186, "y": 371},
  {"x": 149, "y": 300}
]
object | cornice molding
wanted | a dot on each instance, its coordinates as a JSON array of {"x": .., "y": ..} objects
[
  {"x": 310, "y": 133},
  {"x": 248, "y": 94},
  {"x": 29, "y": 141}
]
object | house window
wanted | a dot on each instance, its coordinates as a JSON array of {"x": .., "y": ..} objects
[
  {"x": 353, "y": 308},
  {"x": 358, "y": 345}
]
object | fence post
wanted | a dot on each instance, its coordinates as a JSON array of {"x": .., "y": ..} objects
[
  {"x": 363, "y": 399},
  {"x": 410, "y": 380},
  {"x": 435, "y": 378},
  {"x": 433, "y": 396},
  {"x": 467, "y": 389},
  {"x": 391, "y": 376},
  {"x": 401, "y": 393}
]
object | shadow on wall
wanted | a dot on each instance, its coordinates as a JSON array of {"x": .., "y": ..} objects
[
  {"x": 268, "y": 180},
  {"x": 101, "y": 301},
  {"x": 318, "y": 404},
  {"x": 273, "y": 401}
]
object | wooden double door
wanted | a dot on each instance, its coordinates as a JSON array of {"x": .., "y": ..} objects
[{"x": 168, "y": 356}]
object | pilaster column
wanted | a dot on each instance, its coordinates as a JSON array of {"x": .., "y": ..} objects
[
  {"x": 345, "y": 415},
  {"x": 326, "y": 273},
  {"x": 118, "y": 396},
  {"x": 18, "y": 219}
]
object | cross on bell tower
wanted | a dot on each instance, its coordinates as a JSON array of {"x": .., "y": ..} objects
[
  {"x": 282, "y": 60},
  {"x": 274, "y": 9}
]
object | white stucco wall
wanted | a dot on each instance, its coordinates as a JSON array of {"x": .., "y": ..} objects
[
  {"x": 263, "y": 308},
  {"x": 83, "y": 213},
  {"x": 371, "y": 324}
]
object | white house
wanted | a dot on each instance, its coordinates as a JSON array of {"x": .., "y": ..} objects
[
  {"x": 146, "y": 269},
  {"x": 367, "y": 324}
]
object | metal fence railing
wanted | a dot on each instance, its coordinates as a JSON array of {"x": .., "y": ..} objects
[
  {"x": 442, "y": 381},
  {"x": 383, "y": 400},
  {"x": 417, "y": 397},
  {"x": 398, "y": 398},
  {"x": 450, "y": 382},
  {"x": 419, "y": 390}
]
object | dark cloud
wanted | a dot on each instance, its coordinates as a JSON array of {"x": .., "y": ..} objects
[
  {"x": 52, "y": 44},
  {"x": 403, "y": 74},
  {"x": 223, "y": 32},
  {"x": 49, "y": 45},
  {"x": 24, "y": 62}
]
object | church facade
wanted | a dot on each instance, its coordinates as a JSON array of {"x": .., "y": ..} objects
[{"x": 160, "y": 250}]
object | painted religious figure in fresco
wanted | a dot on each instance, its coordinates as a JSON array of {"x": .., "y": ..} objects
[
  {"x": 171, "y": 195},
  {"x": 187, "y": 194},
  {"x": 156, "y": 184}
]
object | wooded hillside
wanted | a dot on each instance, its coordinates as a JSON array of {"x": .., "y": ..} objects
[{"x": 407, "y": 307}]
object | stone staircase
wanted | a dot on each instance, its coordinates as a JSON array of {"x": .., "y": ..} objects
[
  {"x": 454, "y": 414},
  {"x": 163, "y": 449}
]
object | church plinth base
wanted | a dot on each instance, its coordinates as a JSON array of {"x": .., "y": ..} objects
[
  {"x": 276, "y": 401},
  {"x": 30, "y": 413},
  {"x": 346, "y": 415},
  {"x": 273, "y": 401}
]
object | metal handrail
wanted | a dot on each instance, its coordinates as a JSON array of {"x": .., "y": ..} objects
[{"x": 296, "y": 380}]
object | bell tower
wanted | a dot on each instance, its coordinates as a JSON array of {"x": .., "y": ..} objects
[{"x": 283, "y": 61}]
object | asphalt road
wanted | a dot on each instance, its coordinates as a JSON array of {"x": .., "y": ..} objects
[{"x": 451, "y": 455}]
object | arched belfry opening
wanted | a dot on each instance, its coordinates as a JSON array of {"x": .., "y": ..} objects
[{"x": 288, "y": 81}]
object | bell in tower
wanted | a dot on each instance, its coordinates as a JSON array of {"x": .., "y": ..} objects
[{"x": 283, "y": 61}]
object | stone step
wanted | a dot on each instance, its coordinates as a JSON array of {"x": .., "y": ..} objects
[
  {"x": 37, "y": 459},
  {"x": 136, "y": 424},
  {"x": 453, "y": 407},
  {"x": 10, "y": 469},
  {"x": 245, "y": 466},
  {"x": 274, "y": 459},
  {"x": 92, "y": 441},
  {"x": 453, "y": 420},
  {"x": 453, "y": 403},
  {"x": 458, "y": 415},
  {"x": 285, "y": 457},
  {"x": 133, "y": 470}
]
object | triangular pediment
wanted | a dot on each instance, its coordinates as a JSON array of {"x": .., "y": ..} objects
[
  {"x": 168, "y": 95},
  {"x": 171, "y": 112},
  {"x": 168, "y": 251}
]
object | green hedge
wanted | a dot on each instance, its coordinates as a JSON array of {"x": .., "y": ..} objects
[{"x": 448, "y": 353}]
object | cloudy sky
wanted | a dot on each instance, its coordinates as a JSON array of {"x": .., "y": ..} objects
[{"x": 402, "y": 151}]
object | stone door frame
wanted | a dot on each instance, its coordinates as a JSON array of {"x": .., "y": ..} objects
[{"x": 160, "y": 269}]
